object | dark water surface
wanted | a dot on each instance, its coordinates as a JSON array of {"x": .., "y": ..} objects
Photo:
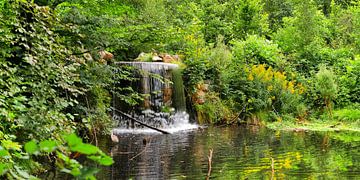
[{"x": 238, "y": 153}]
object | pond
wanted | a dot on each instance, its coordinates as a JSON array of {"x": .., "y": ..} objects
[{"x": 238, "y": 153}]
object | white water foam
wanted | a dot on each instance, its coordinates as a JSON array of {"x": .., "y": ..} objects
[{"x": 181, "y": 123}]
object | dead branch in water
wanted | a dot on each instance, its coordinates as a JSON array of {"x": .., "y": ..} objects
[
  {"x": 148, "y": 144},
  {"x": 141, "y": 123},
  {"x": 209, "y": 164}
]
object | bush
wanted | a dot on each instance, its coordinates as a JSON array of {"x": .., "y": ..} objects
[
  {"x": 215, "y": 110},
  {"x": 267, "y": 90},
  {"x": 325, "y": 83},
  {"x": 15, "y": 162}
]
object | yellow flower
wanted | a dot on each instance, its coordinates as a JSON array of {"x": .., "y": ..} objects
[
  {"x": 287, "y": 163},
  {"x": 250, "y": 77},
  {"x": 301, "y": 88},
  {"x": 290, "y": 87}
]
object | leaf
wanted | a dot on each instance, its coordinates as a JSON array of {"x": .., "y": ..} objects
[
  {"x": 22, "y": 173},
  {"x": 31, "y": 147},
  {"x": 88, "y": 173},
  {"x": 73, "y": 140},
  {"x": 3, "y": 168},
  {"x": 47, "y": 146},
  {"x": 103, "y": 160},
  {"x": 3, "y": 152},
  {"x": 106, "y": 161},
  {"x": 7, "y": 144},
  {"x": 75, "y": 171},
  {"x": 63, "y": 156},
  {"x": 85, "y": 149}
]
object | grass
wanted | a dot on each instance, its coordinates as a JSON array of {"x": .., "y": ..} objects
[
  {"x": 316, "y": 126},
  {"x": 347, "y": 114},
  {"x": 347, "y": 119}
]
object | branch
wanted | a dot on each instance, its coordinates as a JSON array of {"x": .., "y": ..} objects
[{"x": 209, "y": 164}]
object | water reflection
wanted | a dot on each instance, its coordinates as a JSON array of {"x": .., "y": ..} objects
[{"x": 239, "y": 153}]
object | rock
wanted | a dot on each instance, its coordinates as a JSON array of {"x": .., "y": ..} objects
[
  {"x": 144, "y": 57},
  {"x": 157, "y": 59},
  {"x": 199, "y": 96},
  {"x": 106, "y": 55},
  {"x": 176, "y": 57},
  {"x": 167, "y": 95},
  {"x": 102, "y": 61},
  {"x": 141, "y": 55},
  {"x": 88, "y": 57},
  {"x": 167, "y": 58}
]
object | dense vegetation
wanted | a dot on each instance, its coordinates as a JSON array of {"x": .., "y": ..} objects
[{"x": 248, "y": 60}]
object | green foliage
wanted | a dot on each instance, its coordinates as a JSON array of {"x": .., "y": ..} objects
[
  {"x": 256, "y": 58},
  {"x": 325, "y": 83},
  {"x": 347, "y": 114},
  {"x": 249, "y": 18},
  {"x": 14, "y": 161},
  {"x": 257, "y": 50},
  {"x": 215, "y": 111},
  {"x": 53, "y": 81},
  {"x": 277, "y": 10},
  {"x": 349, "y": 83}
]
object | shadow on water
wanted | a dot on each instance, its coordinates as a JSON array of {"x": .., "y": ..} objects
[{"x": 239, "y": 153}]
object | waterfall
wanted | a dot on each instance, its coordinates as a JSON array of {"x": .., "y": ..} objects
[{"x": 164, "y": 105}]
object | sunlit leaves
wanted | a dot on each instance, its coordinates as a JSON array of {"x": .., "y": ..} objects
[
  {"x": 76, "y": 145},
  {"x": 3, "y": 168},
  {"x": 8, "y": 144},
  {"x": 85, "y": 149},
  {"x": 73, "y": 140},
  {"x": 106, "y": 160},
  {"x": 47, "y": 146},
  {"x": 4, "y": 153},
  {"x": 31, "y": 147}
]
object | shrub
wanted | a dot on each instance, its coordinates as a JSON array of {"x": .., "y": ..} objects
[
  {"x": 326, "y": 85},
  {"x": 267, "y": 90},
  {"x": 215, "y": 110}
]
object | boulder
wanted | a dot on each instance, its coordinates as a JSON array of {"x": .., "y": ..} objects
[
  {"x": 157, "y": 59},
  {"x": 168, "y": 58},
  {"x": 106, "y": 55}
]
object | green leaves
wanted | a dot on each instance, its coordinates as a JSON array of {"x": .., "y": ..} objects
[
  {"x": 4, "y": 153},
  {"x": 3, "y": 168},
  {"x": 47, "y": 146},
  {"x": 64, "y": 162},
  {"x": 76, "y": 145},
  {"x": 31, "y": 147},
  {"x": 87, "y": 149},
  {"x": 73, "y": 140},
  {"x": 8, "y": 144},
  {"x": 103, "y": 160}
]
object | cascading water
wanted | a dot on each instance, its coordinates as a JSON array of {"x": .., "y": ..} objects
[{"x": 164, "y": 106}]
